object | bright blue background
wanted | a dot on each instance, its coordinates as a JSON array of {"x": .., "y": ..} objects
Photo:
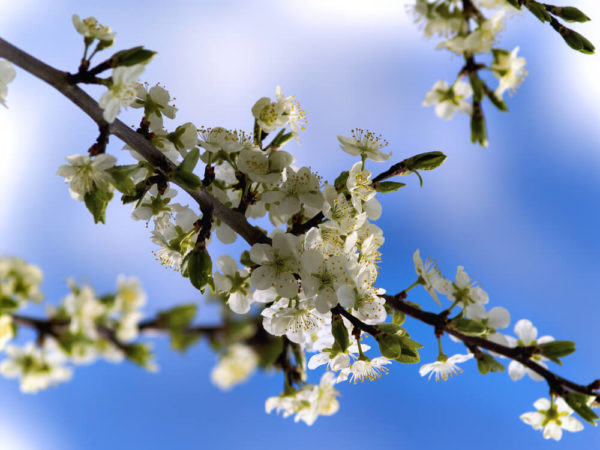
[{"x": 521, "y": 215}]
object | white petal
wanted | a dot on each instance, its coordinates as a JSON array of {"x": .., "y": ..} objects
[
  {"x": 516, "y": 370},
  {"x": 526, "y": 331},
  {"x": 570, "y": 423},
  {"x": 262, "y": 277}
]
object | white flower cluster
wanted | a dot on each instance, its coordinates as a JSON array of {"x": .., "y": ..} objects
[
  {"x": 83, "y": 328},
  {"x": 467, "y": 35},
  {"x": 552, "y": 416}
]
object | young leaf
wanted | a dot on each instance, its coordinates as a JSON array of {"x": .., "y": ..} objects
[{"x": 96, "y": 202}]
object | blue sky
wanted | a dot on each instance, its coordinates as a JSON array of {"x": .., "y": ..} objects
[{"x": 521, "y": 215}]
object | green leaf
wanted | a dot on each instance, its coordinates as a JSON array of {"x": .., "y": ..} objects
[
  {"x": 478, "y": 128},
  {"x": 188, "y": 180},
  {"x": 579, "y": 404},
  {"x": 388, "y": 186},
  {"x": 197, "y": 266},
  {"x": 181, "y": 341},
  {"x": 390, "y": 345},
  {"x": 568, "y": 13},
  {"x": 468, "y": 326},
  {"x": 132, "y": 56},
  {"x": 514, "y": 3},
  {"x": 141, "y": 355},
  {"x": 538, "y": 10},
  {"x": 96, "y": 202},
  {"x": 410, "y": 354},
  {"x": 486, "y": 363},
  {"x": 280, "y": 139},
  {"x": 270, "y": 351},
  {"x": 8, "y": 304},
  {"x": 184, "y": 172},
  {"x": 557, "y": 349},
  {"x": 496, "y": 101},
  {"x": 425, "y": 161},
  {"x": 179, "y": 317},
  {"x": 121, "y": 178},
  {"x": 390, "y": 328},
  {"x": 140, "y": 189},
  {"x": 246, "y": 260},
  {"x": 340, "y": 332},
  {"x": 189, "y": 162}
]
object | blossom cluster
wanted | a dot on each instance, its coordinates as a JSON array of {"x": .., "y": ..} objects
[
  {"x": 309, "y": 284},
  {"x": 81, "y": 329}
]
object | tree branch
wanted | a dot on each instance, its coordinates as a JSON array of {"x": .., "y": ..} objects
[
  {"x": 522, "y": 355},
  {"x": 61, "y": 82}
]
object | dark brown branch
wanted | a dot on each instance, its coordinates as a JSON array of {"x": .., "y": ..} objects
[
  {"x": 371, "y": 329},
  {"x": 522, "y": 355}
]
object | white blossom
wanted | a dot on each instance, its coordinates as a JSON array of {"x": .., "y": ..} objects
[
  {"x": 84, "y": 309},
  {"x": 155, "y": 103},
  {"x": 278, "y": 263},
  {"x": 363, "y": 194},
  {"x": 428, "y": 274},
  {"x": 449, "y": 99},
  {"x": 285, "y": 110},
  {"x": 551, "y": 418},
  {"x": 86, "y": 174},
  {"x": 122, "y": 91},
  {"x": 264, "y": 166},
  {"x": 90, "y": 28},
  {"x": 300, "y": 189},
  {"x": 444, "y": 369},
  {"x": 365, "y": 369},
  {"x": 462, "y": 291},
  {"x": 234, "y": 284},
  {"x": 297, "y": 319},
  {"x": 20, "y": 280},
  {"x": 480, "y": 40},
  {"x": 509, "y": 69},
  {"x": 309, "y": 402},
  {"x": 321, "y": 277},
  {"x": 234, "y": 367},
  {"x": 37, "y": 368},
  {"x": 366, "y": 144},
  {"x": 527, "y": 336}
]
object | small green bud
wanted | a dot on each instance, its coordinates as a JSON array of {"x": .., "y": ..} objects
[
  {"x": 538, "y": 10},
  {"x": 425, "y": 161},
  {"x": 576, "y": 41},
  {"x": 568, "y": 13},
  {"x": 478, "y": 127},
  {"x": 132, "y": 56}
]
